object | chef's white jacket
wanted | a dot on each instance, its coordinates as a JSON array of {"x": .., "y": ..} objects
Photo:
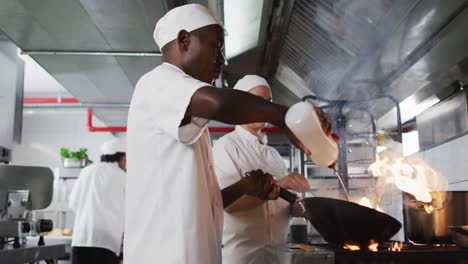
[
  {"x": 98, "y": 200},
  {"x": 174, "y": 206},
  {"x": 250, "y": 235}
]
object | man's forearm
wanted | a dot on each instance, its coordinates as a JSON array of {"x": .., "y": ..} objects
[
  {"x": 245, "y": 202},
  {"x": 231, "y": 193},
  {"x": 235, "y": 107}
]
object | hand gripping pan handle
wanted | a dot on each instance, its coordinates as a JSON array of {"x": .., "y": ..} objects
[{"x": 288, "y": 196}]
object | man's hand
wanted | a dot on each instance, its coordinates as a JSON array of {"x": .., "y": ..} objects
[
  {"x": 297, "y": 210},
  {"x": 326, "y": 126},
  {"x": 261, "y": 185},
  {"x": 294, "y": 181}
]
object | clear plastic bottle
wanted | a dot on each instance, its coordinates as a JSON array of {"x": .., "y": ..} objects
[
  {"x": 298, "y": 230},
  {"x": 302, "y": 120}
]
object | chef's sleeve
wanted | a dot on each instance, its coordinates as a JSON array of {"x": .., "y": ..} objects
[{"x": 171, "y": 106}]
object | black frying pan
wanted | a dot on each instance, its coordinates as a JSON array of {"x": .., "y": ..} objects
[{"x": 340, "y": 221}]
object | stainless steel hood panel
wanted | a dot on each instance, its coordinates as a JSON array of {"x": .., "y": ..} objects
[
  {"x": 449, "y": 51},
  {"x": 88, "y": 25},
  {"x": 50, "y": 24},
  {"x": 112, "y": 116},
  {"x": 85, "y": 25},
  {"x": 89, "y": 78},
  {"x": 127, "y": 25},
  {"x": 135, "y": 67},
  {"x": 98, "y": 79},
  {"x": 436, "y": 70},
  {"x": 443, "y": 121},
  {"x": 326, "y": 39},
  {"x": 356, "y": 49},
  {"x": 425, "y": 19}
]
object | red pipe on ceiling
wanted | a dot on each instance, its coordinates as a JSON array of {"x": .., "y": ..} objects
[
  {"x": 91, "y": 128},
  {"x": 230, "y": 129},
  {"x": 53, "y": 100}
]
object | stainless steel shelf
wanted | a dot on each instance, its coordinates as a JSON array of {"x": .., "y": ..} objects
[{"x": 32, "y": 254}]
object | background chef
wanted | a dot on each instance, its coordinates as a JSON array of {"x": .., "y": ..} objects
[
  {"x": 251, "y": 225},
  {"x": 98, "y": 200}
]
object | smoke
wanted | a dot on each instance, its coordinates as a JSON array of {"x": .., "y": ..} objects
[{"x": 346, "y": 43}]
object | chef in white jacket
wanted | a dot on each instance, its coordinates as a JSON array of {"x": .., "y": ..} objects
[
  {"x": 252, "y": 226},
  {"x": 98, "y": 200},
  {"x": 174, "y": 206}
]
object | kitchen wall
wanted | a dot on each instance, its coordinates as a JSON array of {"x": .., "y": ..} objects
[
  {"x": 451, "y": 159},
  {"x": 443, "y": 138},
  {"x": 45, "y": 131}
]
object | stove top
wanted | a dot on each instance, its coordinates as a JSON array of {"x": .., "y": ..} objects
[{"x": 414, "y": 254}]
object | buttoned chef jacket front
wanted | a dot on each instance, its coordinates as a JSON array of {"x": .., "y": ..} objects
[
  {"x": 98, "y": 200},
  {"x": 174, "y": 206},
  {"x": 249, "y": 235}
]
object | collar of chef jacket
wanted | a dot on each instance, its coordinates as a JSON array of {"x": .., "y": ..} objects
[{"x": 245, "y": 134}]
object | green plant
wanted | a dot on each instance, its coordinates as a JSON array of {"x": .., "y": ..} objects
[
  {"x": 65, "y": 153},
  {"x": 82, "y": 154}
]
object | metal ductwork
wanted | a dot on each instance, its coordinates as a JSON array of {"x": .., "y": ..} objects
[{"x": 357, "y": 49}]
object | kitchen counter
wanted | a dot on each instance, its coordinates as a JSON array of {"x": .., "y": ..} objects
[{"x": 296, "y": 256}]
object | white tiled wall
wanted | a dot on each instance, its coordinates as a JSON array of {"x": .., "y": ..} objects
[{"x": 451, "y": 159}]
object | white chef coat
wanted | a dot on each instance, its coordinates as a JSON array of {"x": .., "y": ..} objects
[
  {"x": 98, "y": 200},
  {"x": 174, "y": 202},
  {"x": 248, "y": 236}
]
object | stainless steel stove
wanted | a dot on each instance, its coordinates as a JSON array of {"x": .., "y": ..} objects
[{"x": 409, "y": 254}]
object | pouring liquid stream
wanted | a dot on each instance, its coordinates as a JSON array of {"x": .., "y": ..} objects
[{"x": 341, "y": 183}]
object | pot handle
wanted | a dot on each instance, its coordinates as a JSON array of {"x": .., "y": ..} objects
[
  {"x": 459, "y": 230},
  {"x": 288, "y": 196}
]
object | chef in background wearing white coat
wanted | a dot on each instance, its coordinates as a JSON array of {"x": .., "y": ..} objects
[
  {"x": 98, "y": 200},
  {"x": 252, "y": 226}
]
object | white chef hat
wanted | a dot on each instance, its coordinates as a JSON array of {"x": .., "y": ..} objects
[
  {"x": 113, "y": 146},
  {"x": 188, "y": 17},
  {"x": 250, "y": 81}
]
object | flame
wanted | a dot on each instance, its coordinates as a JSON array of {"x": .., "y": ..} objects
[
  {"x": 428, "y": 208},
  {"x": 417, "y": 244},
  {"x": 396, "y": 246},
  {"x": 421, "y": 193},
  {"x": 351, "y": 246},
  {"x": 410, "y": 175},
  {"x": 367, "y": 203},
  {"x": 373, "y": 246}
]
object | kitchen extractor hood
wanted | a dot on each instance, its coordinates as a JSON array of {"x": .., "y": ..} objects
[{"x": 11, "y": 96}]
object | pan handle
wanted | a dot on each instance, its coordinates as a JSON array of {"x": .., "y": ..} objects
[{"x": 288, "y": 196}]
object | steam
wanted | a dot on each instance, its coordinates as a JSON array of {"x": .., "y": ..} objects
[{"x": 347, "y": 42}]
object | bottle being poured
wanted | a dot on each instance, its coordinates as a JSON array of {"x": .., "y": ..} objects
[{"x": 302, "y": 119}]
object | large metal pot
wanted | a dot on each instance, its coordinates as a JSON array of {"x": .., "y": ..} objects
[{"x": 449, "y": 209}]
